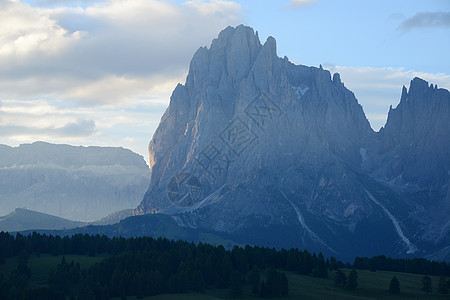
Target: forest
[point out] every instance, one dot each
(145, 266)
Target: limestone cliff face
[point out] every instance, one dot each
(253, 141)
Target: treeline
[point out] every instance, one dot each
(404, 265)
(146, 266)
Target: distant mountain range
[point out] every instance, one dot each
(76, 183)
(273, 153)
(24, 219)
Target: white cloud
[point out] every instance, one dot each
(70, 48)
(24, 29)
(115, 90)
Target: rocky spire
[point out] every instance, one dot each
(419, 123)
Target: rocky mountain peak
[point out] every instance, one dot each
(418, 86)
(416, 136)
(252, 141)
(279, 107)
(230, 55)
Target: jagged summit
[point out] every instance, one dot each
(231, 56)
(253, 144)
(417, 137)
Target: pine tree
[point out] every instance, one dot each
(254, 279)
(284, 285)
(426, 282)
(352, 280)
(333, 263)
(90, 296)
(321, 268)
(394, 286)
(263, 290)
(443, 288)
(235, 284)
(273, 283)
(340, 279)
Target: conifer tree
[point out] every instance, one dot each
(394, 286)
(443, 288)
(426, 284)
(235, 284)
(352, 280)
(340, 279)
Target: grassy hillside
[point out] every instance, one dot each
(372, 285)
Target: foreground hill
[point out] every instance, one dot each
(77, 183)
(278, 154)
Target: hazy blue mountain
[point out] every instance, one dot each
(24, 219)
(273, 153)
(77, 183)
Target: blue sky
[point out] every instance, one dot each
(92, 72)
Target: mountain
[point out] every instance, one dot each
(77, 183)
(28, 220)
(278, 154)
(412, 156)
(114, 218)
(23, 219)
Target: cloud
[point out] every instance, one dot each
(299, 3)
(57, 121)
(378, 88)
(426, 20)
(62, 51)
(80, 128)
(56, 3)
(24, 30)
(214, 8)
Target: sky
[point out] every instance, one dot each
(91, 72)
